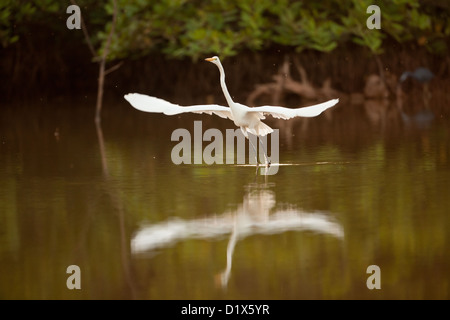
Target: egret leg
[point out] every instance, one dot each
(256, 151)
(266, 157)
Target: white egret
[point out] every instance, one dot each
(248, 119)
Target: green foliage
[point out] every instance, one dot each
(306, 28)
(14, 15)
(182, 28)
(197, 28)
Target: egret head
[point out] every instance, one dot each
(214, 60)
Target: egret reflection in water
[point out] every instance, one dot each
(258, 214)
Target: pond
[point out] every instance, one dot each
(359, 186)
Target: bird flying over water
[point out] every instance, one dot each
(247, 118)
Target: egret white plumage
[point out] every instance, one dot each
(247, 118)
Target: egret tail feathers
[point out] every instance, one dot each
(261, 129)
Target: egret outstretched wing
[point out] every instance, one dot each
(287, 113)
(248, 119)
(146, 103)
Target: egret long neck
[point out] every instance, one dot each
(224, 86)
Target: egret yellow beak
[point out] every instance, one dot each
(209, 59)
